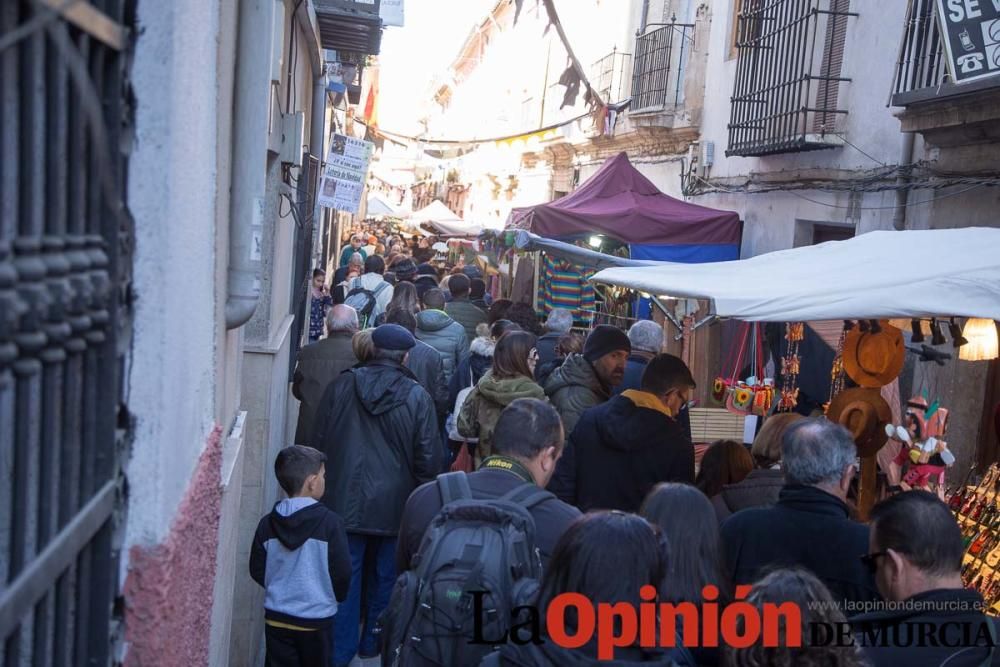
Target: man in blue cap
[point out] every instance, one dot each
(378, 429)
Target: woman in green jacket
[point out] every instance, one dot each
(510, 378)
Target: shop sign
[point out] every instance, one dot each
(971, 31)
(345, 173)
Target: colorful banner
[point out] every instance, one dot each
(345, 173)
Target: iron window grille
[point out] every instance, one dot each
(610, 75)
(658, 67)
(788, 76)
(921, 68)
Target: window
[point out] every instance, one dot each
(809, 233)
(658, 67)
(786, 93)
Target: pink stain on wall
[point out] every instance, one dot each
(168, 590)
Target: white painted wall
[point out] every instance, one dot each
(870, 57)
(172, 189)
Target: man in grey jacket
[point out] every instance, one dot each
(436, 328)
(423, 361)
(319, 364)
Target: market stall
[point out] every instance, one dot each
(438, 219)
(618, 206)
(926, 279)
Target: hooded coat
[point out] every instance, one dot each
(482, 407)
(378, 429)
(573, 388)
(426, 365)
(619, 451)
(300, 556)
(472, 368)
(437, 329)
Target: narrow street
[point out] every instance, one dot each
(461, 332)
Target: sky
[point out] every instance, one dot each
(411, 56)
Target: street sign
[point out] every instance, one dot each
(971, 32)
(345, 173)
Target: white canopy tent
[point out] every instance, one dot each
(379, 206)
(884, 274)
(441, 220)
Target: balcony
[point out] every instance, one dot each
(610, 76)
(946, 112)
(786, 96)
(658, 68)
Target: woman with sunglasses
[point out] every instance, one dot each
(511, 377)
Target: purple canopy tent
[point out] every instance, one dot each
(621, 203)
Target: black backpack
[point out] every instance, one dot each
(471, 545)
(364, 301)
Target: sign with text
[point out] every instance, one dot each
(971, 31)
(345, 173)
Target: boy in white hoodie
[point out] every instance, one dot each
(300, 557)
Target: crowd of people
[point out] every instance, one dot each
(457, 459)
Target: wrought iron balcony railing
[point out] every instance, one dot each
(788, 76)
(658, 67)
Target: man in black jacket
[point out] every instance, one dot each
(622, 448)
(810, 525)
(377, 426)
(526, 444)
(916, 553)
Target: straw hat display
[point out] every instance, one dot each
(864, 413)
(874, 359)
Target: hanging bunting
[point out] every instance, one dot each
(571, 79)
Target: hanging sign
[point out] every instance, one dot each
(971, 32)
(345, 173)
(391, 12)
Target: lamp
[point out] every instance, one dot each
(957, 339)
(595, 241)
(918, 331)
(937, 338)
(982, 336)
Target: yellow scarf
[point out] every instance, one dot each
(643, 399)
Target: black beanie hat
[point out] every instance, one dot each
(605, 339)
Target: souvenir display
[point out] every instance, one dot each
(790, 366)
(924, 453)
(865, 414)
(873, 353)
(978, 516)
(753, 395)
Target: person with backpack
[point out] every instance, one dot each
(609, 558)
(369, 294)
(510, 378)
(504, 506)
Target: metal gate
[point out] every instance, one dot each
(65, 271)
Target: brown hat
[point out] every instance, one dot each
(864, 413)
(874, 359)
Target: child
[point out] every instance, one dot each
(300, 557)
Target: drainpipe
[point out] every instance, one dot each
(253, 85)
(902, 195)
(642, 19)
